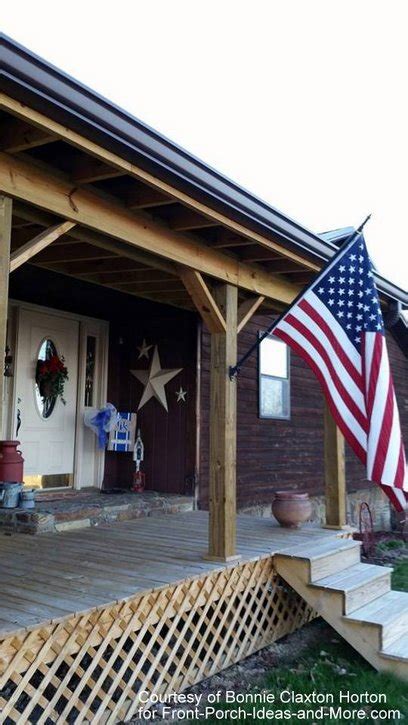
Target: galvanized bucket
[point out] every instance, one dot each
(28, 498)
(10, 495)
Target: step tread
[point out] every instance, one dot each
(353, 577)
(383, 610)
(318, 550)
(397, 649)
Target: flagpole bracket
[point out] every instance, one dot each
(233, 372)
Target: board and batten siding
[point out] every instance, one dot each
(283, 454)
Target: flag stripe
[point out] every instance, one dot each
(392, 455)
(333, 336)
(351, 379)
(345, 396)
(337, 331)
(373, 347)
(397, 497)
(384, 438)
(379, 402)
(344, 426)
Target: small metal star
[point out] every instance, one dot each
(181, 395)
(144, 349)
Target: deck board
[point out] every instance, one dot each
(55, 575)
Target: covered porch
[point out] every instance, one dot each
(75, 205)
(90, 620)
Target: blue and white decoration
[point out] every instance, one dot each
(122, 437)
(102, 421)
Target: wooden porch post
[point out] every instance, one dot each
(335, 475)
(223, 431)
(5, 235)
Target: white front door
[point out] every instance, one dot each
(46, 427)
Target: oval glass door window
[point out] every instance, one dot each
(44, 397)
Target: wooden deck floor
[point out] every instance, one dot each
(51, 577)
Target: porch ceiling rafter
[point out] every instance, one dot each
(79, 234)
(38, 243)
(117, 162)
(18, 135)
(23, 180)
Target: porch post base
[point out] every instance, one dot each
(343, 527)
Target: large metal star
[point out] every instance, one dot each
(154, 379)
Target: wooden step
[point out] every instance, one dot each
(398, 649)
(359, 584)
(390, 612)
(326, 557)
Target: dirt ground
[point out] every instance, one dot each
(386, 549)
(250, 673)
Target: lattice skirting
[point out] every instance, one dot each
(91, 668)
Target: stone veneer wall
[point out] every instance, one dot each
(377, 501)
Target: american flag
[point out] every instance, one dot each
(337, 327)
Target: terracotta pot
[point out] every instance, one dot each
(11, 462)
(291, 509)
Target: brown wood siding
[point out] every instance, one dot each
(169, 438)
(283, 454)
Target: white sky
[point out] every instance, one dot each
(303, 102)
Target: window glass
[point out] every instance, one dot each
(45, 398)
(274, 379)
(274, 358)
(90, 370)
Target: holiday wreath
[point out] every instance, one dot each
(50, 377)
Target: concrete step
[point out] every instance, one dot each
(359, 584)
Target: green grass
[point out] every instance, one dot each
(399, 576)
(390, 544)
(329, 668)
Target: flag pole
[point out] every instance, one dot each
(234, 370)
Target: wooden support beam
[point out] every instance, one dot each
(186, 219)
(203, 299)
(247, 309)
(5, 237)
(28, 114)
(223, 431)
(76, 253)
(88, 169)
(97, 240)
(161, 286)
(144, 197)
(335, 474)
(17, 135)
(238, 242)
(256, 253)
(285, 266)
(19, 178)
(128, 276)
(36, 245)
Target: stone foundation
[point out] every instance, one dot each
(84, 509)
(377, 501)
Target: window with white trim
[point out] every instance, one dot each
(274, 378)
